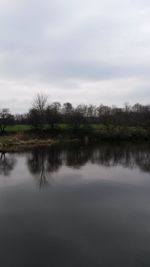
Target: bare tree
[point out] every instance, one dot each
(40, 102)
(39, 108)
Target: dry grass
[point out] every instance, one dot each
(15, 142)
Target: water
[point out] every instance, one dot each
(76, 206)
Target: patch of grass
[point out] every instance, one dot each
(18, 128)
(64, 126)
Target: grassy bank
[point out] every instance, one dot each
(21, 136)
(96, 128)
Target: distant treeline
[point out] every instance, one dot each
(43, 114)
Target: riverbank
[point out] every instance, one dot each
(14, 141)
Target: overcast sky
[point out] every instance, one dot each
(82, 51)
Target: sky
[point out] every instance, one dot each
(78, 51)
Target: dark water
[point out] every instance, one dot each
(76, 206)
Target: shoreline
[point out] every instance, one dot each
(14, 143)
(24, 141)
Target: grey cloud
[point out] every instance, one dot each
(56, 41)
(18, 66)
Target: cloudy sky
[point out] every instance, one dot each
(82, 51)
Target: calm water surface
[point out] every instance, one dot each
(76, 206)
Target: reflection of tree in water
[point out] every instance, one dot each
(112, 155)
(143, 159)
(7, 163)
(77, 156)
(42, 162)
(127, 155)
(54, 159)
(105, 154)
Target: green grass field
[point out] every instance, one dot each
(100, 130)
(18, 128)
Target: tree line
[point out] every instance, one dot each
(42, 113)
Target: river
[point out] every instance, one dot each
(76, 205)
